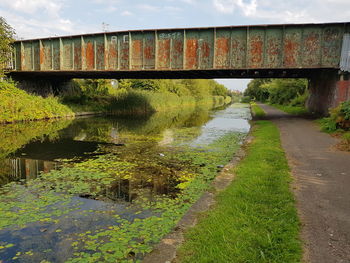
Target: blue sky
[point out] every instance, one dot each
(43, 18)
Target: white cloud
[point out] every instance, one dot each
(297, 11)
(33, 6)
(147, 7)
(224, 6)
(40, 18)
(126, 13)
(107, 9)
(172, 8)
(189, 1)
(154, 8)
(108, 2)
(229, 6)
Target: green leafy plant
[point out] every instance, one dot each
(17, 105)
(6, 39)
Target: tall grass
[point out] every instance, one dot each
(144, 102)
(17, 105)
(257, 111)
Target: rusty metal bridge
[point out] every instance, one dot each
(289, 50)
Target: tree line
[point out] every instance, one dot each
(197, 88)
(291, 92)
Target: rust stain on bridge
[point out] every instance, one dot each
(212, 50)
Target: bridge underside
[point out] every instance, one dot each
(173, 74)
(327, 87)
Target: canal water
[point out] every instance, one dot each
(107, 189)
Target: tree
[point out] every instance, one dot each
(6, 39)
(256, 90)
(283, 91)
(220, 90)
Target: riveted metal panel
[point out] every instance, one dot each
(170, 49)
(28, 56)
(311, 47)
(164, 50)
(89, 53)
(99, 52)
(56, 53)
(205, 49)
(345, 53)
(292, 47)
(222, 48)
(124, 51)
(191, 51)
(176, 54)
(273, 48)
(112, 53)
(149, 50)
(77, 53)
(238, 48)
(137, 50)
(36, 56)
(17, 47)
(331, 45)
(256, 47)
(67, 54)
(45, 55)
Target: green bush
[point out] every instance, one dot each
(346, 137)
(284, 91)
(257, 91)
(292, 92)
(328, 125)
(17, 105)
(300, 100)
(246, 99)
(339, 118)
(228, 99)
(345, 110)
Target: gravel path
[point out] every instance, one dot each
(321, 185)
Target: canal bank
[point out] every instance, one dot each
(145, 97)
(321, 180)
(254, 219)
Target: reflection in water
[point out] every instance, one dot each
(82, 137)
(94, 175)
(26, 169)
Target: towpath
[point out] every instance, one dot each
(321, 185)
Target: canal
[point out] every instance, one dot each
(107, 189)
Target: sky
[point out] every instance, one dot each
(44, 18)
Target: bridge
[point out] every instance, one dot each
(319, 52)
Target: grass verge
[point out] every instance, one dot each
(17, 105)
(294, 110)
(255, 218)
(257, 111)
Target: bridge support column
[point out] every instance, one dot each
(43, 87)
(327, 90)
